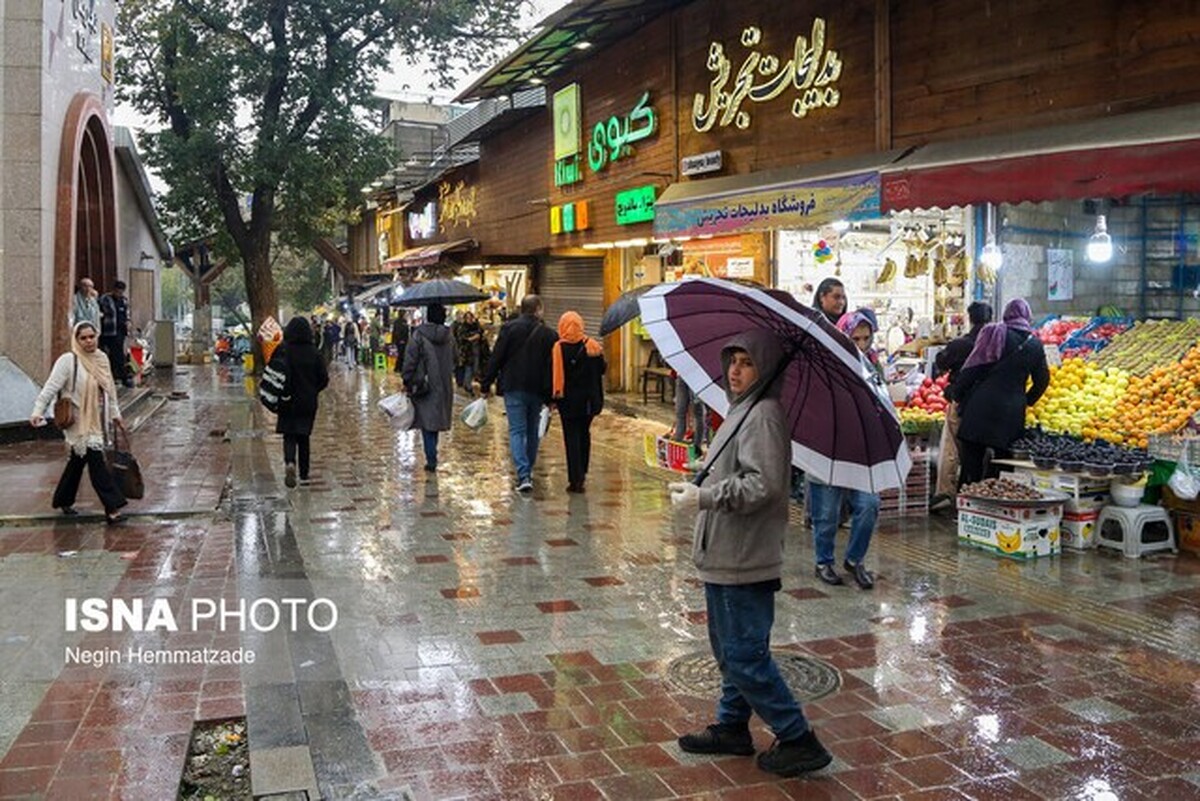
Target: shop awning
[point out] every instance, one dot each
(806, 196)
(372, 293)
(430, 254)
(1153, 151)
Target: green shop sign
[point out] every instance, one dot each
(611, 138)
(636, 205)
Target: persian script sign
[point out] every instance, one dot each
(812, 71)
(611, 139)
(456, 205)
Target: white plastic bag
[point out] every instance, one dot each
(474, 414)
(544, 422)
(1184, 481)
(399, 409)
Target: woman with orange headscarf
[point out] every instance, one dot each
(578, 366)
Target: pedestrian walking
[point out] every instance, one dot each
(990, 390)
(86, 308)
(399, 338)
(738, 551)
(472, 351)
(830, 299)
(114, 328)
(520, 364)
(950, 361)
(329, 341)
(85, 377)
(825, 501)
(577, 378)
(350, 342)
(306, 377)
(428, 376)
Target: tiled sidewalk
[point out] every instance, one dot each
(492, 646)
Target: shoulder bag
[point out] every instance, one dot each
(64, 408)
(124, 465)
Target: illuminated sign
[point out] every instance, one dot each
(569, 217)
(700, 163)
(635, 205)
(611, 138)
(812, 71)
(422, 224)
(567, 171)
(457, 204)
(567, 125)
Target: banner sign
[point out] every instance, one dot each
(635, 205)
(804, 204)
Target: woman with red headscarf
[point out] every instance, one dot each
(578, 366)
(990, 389)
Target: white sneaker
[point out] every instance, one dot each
(525, 486)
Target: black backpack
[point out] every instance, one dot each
(273, 390)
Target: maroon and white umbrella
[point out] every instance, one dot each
(844, 428)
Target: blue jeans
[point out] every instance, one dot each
(825, 503)
(739, 630)
(430, 440)
(523, 410)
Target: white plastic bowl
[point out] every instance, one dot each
(1127, 494)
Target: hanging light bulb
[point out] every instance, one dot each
(1100, 246)
(990, 255)
(840, 225)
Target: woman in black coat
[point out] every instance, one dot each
(990, 388)
(306, 377)
(578, 366)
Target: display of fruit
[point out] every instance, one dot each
(941, 276)
(1150, 344)
(1160, 401)
(1055, 332)
(961, 269)
(930, 396)
(888, 273)
(912, 266)
(1079, 393)
(1001, 489)
(1070, 453)
(1105, 332)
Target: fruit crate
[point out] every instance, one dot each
(911, 499)
(1085, 338)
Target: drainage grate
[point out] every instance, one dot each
(809, 679)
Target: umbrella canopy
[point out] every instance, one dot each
(622, 310)
(844, 429)
(439, 292)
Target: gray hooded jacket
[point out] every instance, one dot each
(744, 501)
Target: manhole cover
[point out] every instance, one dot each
(809, 679)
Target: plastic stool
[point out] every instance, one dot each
(380, 361)
(1135, 530)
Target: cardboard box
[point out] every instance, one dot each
(1009, 512)
(1079, 530)
(1077, 485)
(1009, 538)
(1187, 531)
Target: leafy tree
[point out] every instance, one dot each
(267, 105)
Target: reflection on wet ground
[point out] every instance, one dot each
(495, 646)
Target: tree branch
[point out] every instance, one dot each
(208, 21)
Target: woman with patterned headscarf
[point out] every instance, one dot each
(85, 377)
(577, 386)
(990, 388)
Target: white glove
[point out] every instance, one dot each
(685, 495)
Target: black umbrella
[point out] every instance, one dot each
(622, 310)
(439, 292)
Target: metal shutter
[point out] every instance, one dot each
(573, 285)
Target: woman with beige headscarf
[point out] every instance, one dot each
(85, 377)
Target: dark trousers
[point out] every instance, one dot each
(114, 349)
(577, 436)
(293, 443)
(429, 441)
(102, 481)
(971, 456)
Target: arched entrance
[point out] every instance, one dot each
(85, 231)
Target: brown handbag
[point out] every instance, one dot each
(64, 409)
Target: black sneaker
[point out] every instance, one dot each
(289, 476)
(864, 578)
(802, 755)
(827, 574)
(720, 738)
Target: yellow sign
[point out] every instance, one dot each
(106, 52)
(567, 122)
(456, 204)
(812, 71)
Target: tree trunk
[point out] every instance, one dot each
(260, 290)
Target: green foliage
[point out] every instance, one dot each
(302, 277)
(266, 106)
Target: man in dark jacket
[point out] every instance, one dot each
(951, 360)
(114, 327)
(306, 377)
(521, 361)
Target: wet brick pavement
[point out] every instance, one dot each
(494, 646)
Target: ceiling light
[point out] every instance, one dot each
(582, 45)
(536, 81)
(991, 256)
(840, 225)
(1100, 246)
